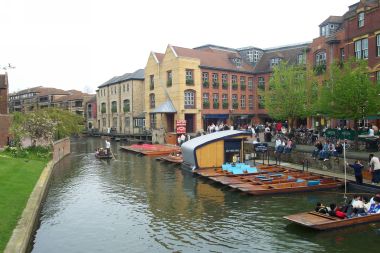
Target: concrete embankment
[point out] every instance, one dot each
(23, 233)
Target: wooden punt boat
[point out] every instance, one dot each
(151, 149)
(104, 156)
(320, 221)
(177, 159)
(215, 172)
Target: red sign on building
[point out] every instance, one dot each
(181, 126)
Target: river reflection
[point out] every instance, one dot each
(137, 204)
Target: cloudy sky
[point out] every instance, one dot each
(79, 44)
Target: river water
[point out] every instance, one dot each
(137, 204)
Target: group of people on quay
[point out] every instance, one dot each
(358, 206)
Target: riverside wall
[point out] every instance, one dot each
(22, 235)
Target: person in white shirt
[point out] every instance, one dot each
(375, 168)
(371, 132)
(108, 146)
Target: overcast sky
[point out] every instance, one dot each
(79, 44)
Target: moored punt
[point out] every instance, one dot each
(214, 172)
(320, 221)
(151, 149)
(172, 158)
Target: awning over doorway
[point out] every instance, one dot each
(166, 107)
(215, 116)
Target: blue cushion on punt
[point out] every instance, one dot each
(224, 166)
(266, 179)
(299, 180)
(251, 170)
(312, 182)
(290, 177)
(277, 175)
(237, 171)
(260, 176)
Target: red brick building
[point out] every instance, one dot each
(4, 117)
(355, 34)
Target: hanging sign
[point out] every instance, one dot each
(181, 126)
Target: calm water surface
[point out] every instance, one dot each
(136, 204)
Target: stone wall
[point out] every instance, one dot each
(61, 148)
(5, 122)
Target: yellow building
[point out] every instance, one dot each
(173, 91)
(120, 103)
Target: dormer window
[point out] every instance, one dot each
(274, 61)
(361, 19)
(237, 61)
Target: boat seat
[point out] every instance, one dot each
(313, 182)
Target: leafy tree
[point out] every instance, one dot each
(349, 93)
(45, 125)
(292, 93)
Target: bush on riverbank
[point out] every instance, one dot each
(38, 153)
(18, 176)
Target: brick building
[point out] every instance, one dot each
(4, 116)
(355, 34)
(120, 103)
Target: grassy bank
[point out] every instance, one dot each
(18, 177)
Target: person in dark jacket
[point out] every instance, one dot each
(358, 167)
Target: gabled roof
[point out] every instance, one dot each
(137, 75)
(166, 107)
(214, 58)
(287, 53)
(158, 56)
(363, 3)
(332, 20)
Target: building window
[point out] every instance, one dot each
(378, 45)
(89, 111)
(261, 102)
(341, 54)
(215, 80)
(151, 83)
(205, 80)
(301, 59)
(215, 100)
(127, 122)
(126, 106)
(224, 81)
(234, 82)
(274, 61)
(250, 102)
(235, 104)
(152, 101)
(114, 106)
(361, 49)
(261, 83)
(189, 76)
(361, 19)
(139, 123)
(250, 83)
(189, 99)
(152, 121)
(103, 109)
(225, 101)
(250, 55)
(206, 100)
(320, 58)
(169, 78)
(242, 101)
(242, 83)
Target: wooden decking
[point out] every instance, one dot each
(320, 221)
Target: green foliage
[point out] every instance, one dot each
(225, 85)
(234, 86)
(292, 92)
(190, 81)
(349, 93)
(206, 104)
(38, 153)
(216, 105)
(206, 84)
(242, 86)
(225, 105)
(45, 125)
